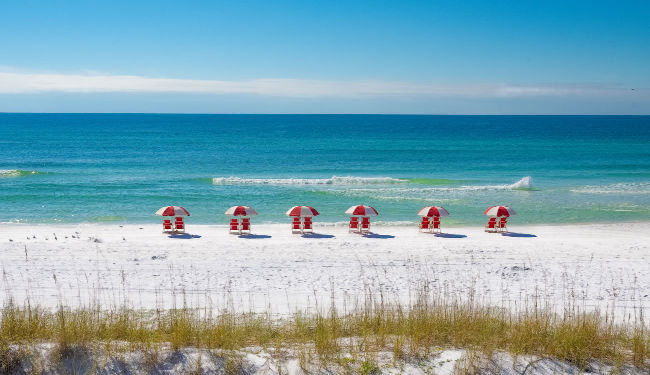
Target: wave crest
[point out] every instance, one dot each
(525, 183)
(334, 180)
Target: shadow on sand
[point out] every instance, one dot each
(450, 235)
(380, 236)
(184, 236)
(513, 234)
(317, 235)
(254, 236)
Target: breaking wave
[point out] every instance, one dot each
(334, 180)
(619, 188)
(17, 173)
(525, 183)
(438, 194)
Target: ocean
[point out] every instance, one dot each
(120, 168)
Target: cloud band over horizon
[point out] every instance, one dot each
(12, 82)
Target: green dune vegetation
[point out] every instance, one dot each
(344, 341)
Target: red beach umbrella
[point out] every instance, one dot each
(241, 211)
(361, 210)
(172, 211)
(433, 211)
(302, 211)
(499, 211)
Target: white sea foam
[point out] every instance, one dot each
(381, 223)
(15, 172)
(334, 180)
(524, 183)
(619, 188)
(404, 192)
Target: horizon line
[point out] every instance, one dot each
(312, 114)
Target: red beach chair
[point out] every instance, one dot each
(246, 225)
(234, 226)
(503, 224)
(365, 224)
(179, 225)
(424, 225)
(491, 226)
(307, 226)
(354, 224)
(435, 225)
(167, 226)
(295, 226)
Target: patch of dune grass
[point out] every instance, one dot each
(412, 331)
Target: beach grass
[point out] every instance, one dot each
(343, 338)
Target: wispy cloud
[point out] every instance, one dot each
(16, 82)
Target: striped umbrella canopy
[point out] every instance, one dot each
(302, 211)
(499, 211)
(361, 210)
(172, 211)
(433, 211)
(241, 211)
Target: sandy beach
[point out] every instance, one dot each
(585, 266)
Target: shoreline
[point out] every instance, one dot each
(330, 224)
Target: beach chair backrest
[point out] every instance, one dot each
(234, 224)
(245, 223)
(365, 222)
(436, 219)
(503, 220)
(179, 225)
(246, 220)
(354, 222)
(179, 219)
(167, 221)
(436, 224)
(307, 224)
(492, 222)
(307, 218)
(425, 222)
(296, 223)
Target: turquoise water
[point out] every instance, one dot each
(123, 167)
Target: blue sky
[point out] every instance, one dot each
(471, 57)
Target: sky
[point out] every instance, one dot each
(411, 57)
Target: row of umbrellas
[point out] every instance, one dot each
(360, 210)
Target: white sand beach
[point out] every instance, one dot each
(588, 266)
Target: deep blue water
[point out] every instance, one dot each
(122, 167)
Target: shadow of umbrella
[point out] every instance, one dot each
(513, 234)
(450, 235)
(184, 236)
(254, 236)
(380, 236)
(317, 235)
